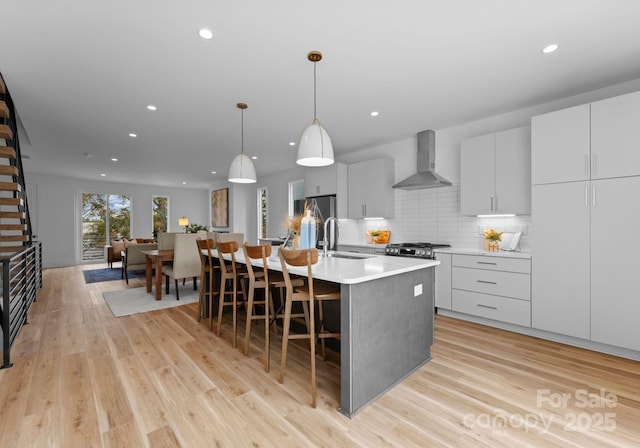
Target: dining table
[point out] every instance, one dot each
(155, 259)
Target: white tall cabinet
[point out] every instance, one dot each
(615, 267)
(495, 173)
(585, 212)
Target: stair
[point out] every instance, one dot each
(10, 186)
(4, 110)
(14, 221)
(8, 170)
(5, 132)
(7, 152)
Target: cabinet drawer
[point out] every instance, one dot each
(493, 263)
(507, 284)
(513, 311)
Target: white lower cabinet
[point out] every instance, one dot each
(443, 281)
(492, 287)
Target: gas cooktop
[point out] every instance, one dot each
(419, 250)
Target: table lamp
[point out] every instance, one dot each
(183, 222)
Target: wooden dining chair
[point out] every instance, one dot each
(230, 274)
(310, 293)
(207, 274)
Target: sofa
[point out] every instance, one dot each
(134, 259)
(115, 247)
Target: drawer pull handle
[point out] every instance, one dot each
(488, 283)
(487, 262)
(487, 306)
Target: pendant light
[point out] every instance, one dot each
(242, 170)
(315, 148)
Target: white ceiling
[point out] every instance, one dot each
(82, 72)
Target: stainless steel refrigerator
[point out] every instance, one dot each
(326, 207)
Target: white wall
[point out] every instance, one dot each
(59, 219)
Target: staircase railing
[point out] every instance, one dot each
(21, 280)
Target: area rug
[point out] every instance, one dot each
(108, 274)
(137, 300)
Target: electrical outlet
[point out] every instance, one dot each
(417, 290)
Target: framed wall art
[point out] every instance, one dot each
(220, 208)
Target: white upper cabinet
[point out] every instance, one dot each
(325, 180)
(478, 175)
(495, 173)
(615, 137)
(593, 141)
(560, 146)
(370, 189)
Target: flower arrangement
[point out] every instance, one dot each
(493, 238)
(492, 235)
(194, 228)
(294, 223)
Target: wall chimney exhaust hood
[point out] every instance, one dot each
(426, 177)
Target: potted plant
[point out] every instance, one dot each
(492, 238)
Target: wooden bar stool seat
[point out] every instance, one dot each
(262, 278)
(308, 294)
(230, 275)
(207, 274)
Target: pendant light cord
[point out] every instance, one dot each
(241, 131)
(314, 90)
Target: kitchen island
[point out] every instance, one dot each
(386, 319)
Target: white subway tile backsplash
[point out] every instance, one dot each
(433, 215)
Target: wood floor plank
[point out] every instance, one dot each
(112, 402)
(80, 416)
(84, 378)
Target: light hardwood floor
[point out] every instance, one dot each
(83, 378)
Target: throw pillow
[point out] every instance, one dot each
(128, 243)
(118, 246)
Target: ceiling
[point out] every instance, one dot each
(82, 73)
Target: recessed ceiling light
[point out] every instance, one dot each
(375, 113)
(114, 159)
(132, 135)
(102, 174)
(550, 48)
(292, 143)
(184, 183)
(205, 33)
(152, 107)
(213, 172)
(254, 157)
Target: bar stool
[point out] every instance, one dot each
(265, 280)
(230, 273)
(207, 273)
(310, 293)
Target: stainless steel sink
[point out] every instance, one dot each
(349, 256)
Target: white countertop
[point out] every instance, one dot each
(485, 253)
(349, 271)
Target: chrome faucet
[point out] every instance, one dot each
(325, 240)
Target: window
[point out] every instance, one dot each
(160, 206)
(296, 197)
(263, 212)
(104, 217)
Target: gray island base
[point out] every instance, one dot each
(387, 333)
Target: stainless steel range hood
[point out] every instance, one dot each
(426, 177)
